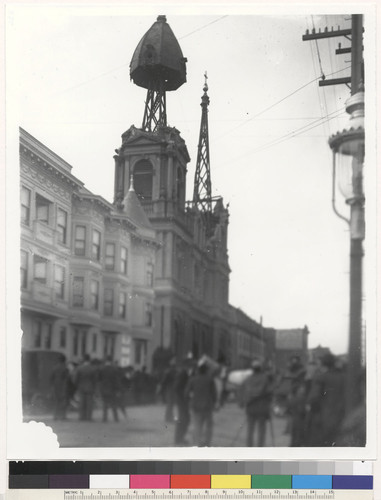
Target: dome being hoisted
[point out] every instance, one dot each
(158, 59)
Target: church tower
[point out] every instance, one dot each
(213, 219)
(191, 271)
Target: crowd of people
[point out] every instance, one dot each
(310, 397)
(314, 400)
(101, 383)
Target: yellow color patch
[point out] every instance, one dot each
(230, 481)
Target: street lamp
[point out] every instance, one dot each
(348, 148)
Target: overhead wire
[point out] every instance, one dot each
(202, 27)
(301, 130)
(324, 108)
(126, 64)
(91, 79)
(294, 133)
(330, 60)
(291, 134)
(265, 110)
(317, 50)
(275, 104)
(317, 78)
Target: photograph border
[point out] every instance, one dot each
(35, 440)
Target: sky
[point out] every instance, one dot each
(68, 85)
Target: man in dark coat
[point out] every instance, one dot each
(326, 403)
(124, 386)
(256, 395)
(296, 401)
(182, 402)
(110, 388)
(167, 390)
(86, 384)
(59, 381)
(203, 396)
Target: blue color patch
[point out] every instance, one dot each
(352, 482)
(309, 482)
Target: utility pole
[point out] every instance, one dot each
(357, 66)
(355, 150)
(354, 35)
(356, 242)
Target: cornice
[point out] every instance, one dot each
(94, 199)
(47, 180)
(48, 161)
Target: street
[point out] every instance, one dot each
(145, 426)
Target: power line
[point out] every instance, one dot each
(294, 133)
(318, 51)
(92, 79)
(202, 27)
(334, 115)
(315, 72)
(275, 104)
(340, 19)
(323, 107)
(126, 64)
(301, 130)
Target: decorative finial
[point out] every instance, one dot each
(162, 19)
(205, 97)
(205, 89)
(131, 183)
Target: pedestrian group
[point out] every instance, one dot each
(311, 397)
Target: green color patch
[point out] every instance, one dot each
(271, 482)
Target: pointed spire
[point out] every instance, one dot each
(133, 208)
(202, 193)
(205, 97)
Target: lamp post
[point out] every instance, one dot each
(348, 148)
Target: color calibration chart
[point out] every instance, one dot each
(162, 480)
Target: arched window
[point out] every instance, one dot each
(143, 173)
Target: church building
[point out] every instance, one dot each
(192, 269)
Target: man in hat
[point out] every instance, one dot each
(203, 395)
(297, 401)
(181, 400)
(326, 404)
(110, 387)
(256, 397)
(86, 383)
(167, 390)
(60, 382)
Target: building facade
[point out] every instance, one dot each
(316, 354)
(192, 271)
(249, 339)
(86, 267)
(98, 279)
(289, 343)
